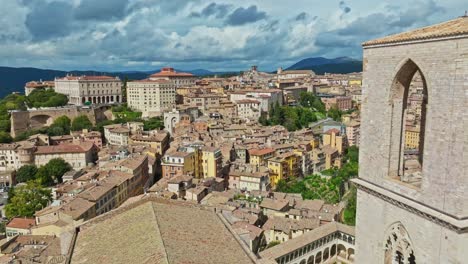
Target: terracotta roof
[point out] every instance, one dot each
(333, 130)
(21, 223)
(89, 78)
(451, 28)
(65, 148)
(260, 152)
(276, 205)
(150, 81)
(154, 230)
(170, 72)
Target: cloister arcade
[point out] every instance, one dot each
(334, 248)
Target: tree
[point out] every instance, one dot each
(61, 126)
(27, 200)
(153, 123)
(81, 122)
(26, 173)
(52, 172)
(5, 137)
(46, 98)
(335, 113)
(57, 168)
(349, 215)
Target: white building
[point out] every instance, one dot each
(9, 158)
(248, 109)
(93, 89)
(119, 134)
(266, 97)
(151, 96)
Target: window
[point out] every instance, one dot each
(409, 99)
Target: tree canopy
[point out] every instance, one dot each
(81, 122)
(46, 98)
(61, 126)
(26, 173)
(5, 137)
(27, 199)
(52, 172)
(153, 123)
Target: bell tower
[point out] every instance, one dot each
(413, 179)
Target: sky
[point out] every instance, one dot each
(218, 35)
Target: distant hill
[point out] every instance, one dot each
(322, 65)
(14, 79)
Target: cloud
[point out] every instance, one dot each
(346, 9)
(48, 20)
(101, 10)
(242, 16)
(213, 9)
(301, 16)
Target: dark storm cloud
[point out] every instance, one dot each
(101, 10)
(346, 9)
(301, 16)
(242, 16)
(213, 9)
(47, 20)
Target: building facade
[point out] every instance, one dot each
(83, 90)
(151, 96)
(414, 216)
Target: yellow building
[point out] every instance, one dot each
(411, 138)
(158, 140)
(283, 167)
(259, 156)
(333, 139)
(211, 162)
(355, 82)
(332, 157)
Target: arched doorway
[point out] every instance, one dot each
(342, 251)
(326, 254)
(333, 250)
(409, 99)
(311, 260)
(318, 258)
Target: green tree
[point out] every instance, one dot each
(335, 114)
(61, 126)
(27, 200)
(352, 154)
(26, 173)
(57, 168)
(5, 124)
(46, 98)
(5, 137)
(349, 215)
(153, 123)
(52, 172)
(81, 122)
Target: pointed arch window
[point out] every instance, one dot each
(409, 101)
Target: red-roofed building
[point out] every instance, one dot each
(33, 85)
(83, 90)
(19, 226)
(259, 156)
(78, 156)
(178, 78)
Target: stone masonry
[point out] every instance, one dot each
(431, 220)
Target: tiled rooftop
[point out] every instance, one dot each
(451, 28)
(158, 231)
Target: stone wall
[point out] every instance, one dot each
(444, 65)
(432, 243)
(22, 121)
